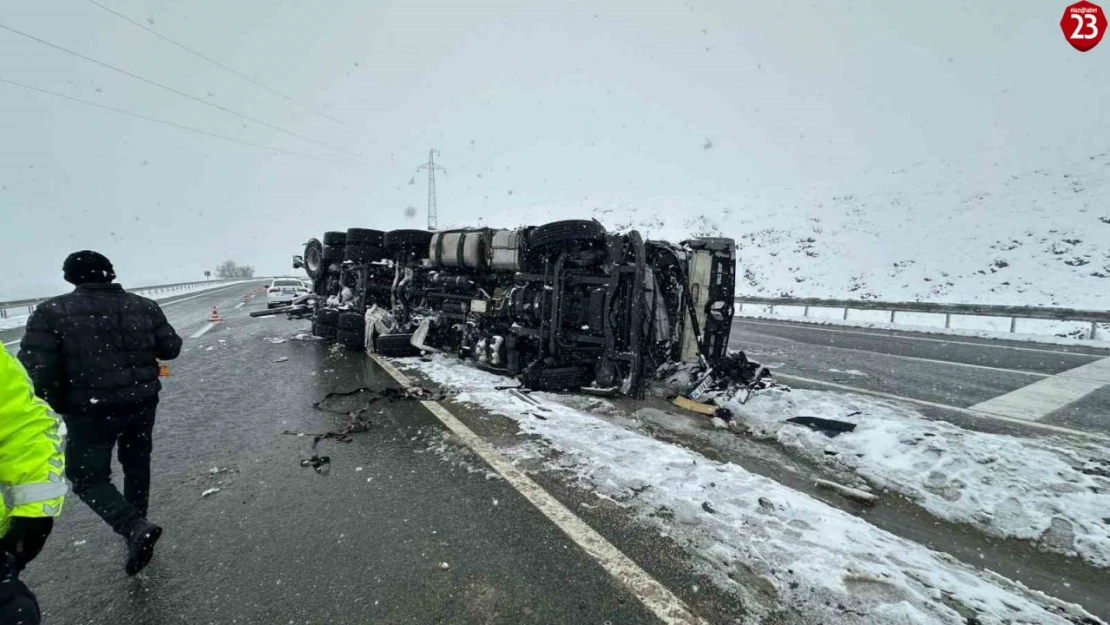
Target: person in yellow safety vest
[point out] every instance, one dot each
(32, 482)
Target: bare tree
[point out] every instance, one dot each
(230, 269)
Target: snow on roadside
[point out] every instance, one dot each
(809, 562)
(1050, 491)
(1101, 342)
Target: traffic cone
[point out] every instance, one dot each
(215, 316)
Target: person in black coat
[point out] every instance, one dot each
(93, 356)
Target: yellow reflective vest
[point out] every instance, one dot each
(32, 443)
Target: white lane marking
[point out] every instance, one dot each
(1059, 429)
(1042, 398)
(11, 342)
(239, 305)
(200, 332)
(812, 326)
(654, 595)
(201, 294)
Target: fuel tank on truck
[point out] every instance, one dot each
(480, 248)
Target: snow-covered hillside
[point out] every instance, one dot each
(994, 232)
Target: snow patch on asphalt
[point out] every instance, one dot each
(448, 449)
(1055, 492)
(787, 553)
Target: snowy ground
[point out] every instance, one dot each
(786, 554)
(1052, 491)
(18, 321)
(1003, 234)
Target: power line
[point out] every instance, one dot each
(172, 90)
(219, 64)
(167, 123)
(431, 166)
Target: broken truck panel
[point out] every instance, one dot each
(561, 306)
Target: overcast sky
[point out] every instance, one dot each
(529, 103)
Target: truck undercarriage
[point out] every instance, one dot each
(566, 305)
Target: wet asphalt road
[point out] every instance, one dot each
(280, 543)
(365, 543)
(954, 371)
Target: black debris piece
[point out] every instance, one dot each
(321, 464)
(829, 427)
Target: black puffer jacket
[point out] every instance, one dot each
(97, 347)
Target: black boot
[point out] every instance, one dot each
(140, 546)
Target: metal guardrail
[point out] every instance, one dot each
(29, 304)
(1093, 317)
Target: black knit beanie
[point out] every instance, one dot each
(88, 266)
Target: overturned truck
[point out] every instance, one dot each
(566, 305)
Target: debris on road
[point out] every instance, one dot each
(444, 566)
(282, 359)
(274, 340)
(847, 492)
(321, 464)
(829, 427)
(210, 491)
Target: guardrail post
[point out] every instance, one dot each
(892, 316)
(805, 313)
(772, 310)
(741, 307)
(845, 313)
(1094, 330)
(1013, 325)
(947, 320)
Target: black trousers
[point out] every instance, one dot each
(91, 437)
(18, 605)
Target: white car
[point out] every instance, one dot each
(282, 291)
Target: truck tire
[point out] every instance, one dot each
(337, 239)
(354, 340)
(408, 242)
(559, 379)
(571, 230)
(361, 254)
(395, 346)
(365, 236)
(351, 321)
(328, 317)
(323, 330)
(313, 258)
(332, 253)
